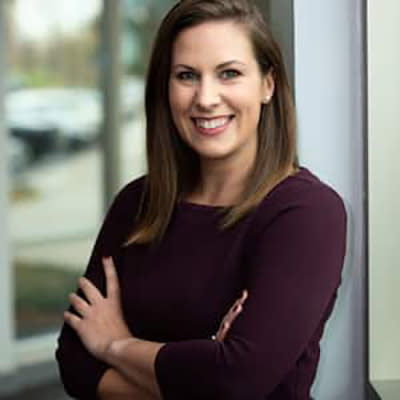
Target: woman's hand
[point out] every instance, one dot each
(100, 320)
(229, 317)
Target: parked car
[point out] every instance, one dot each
(54, 119)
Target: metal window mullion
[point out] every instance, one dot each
(110, 85)
(7, 360)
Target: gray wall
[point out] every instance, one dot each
(281, 18)
(330, 95)
(324, 46)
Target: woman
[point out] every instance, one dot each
(225, 212)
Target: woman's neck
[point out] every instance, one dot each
(222, 186)
(220, 183)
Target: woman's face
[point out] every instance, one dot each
(216, 91)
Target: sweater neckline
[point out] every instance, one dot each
(187, 205)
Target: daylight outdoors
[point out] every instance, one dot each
(54, 118)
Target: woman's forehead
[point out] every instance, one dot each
(213, 42)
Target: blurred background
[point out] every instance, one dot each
(54, 117)
(72, 133)
(57, 63)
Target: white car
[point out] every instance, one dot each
(63, 118)
(50, 119)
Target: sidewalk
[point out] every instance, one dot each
(57, 222)
(48, 392)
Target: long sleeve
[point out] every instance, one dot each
(293, 269)
(80, 372)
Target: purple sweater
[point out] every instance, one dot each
(288, 253)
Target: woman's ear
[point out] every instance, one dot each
(268, 86)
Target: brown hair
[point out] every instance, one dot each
(173, 167)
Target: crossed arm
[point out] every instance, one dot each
(104, 333)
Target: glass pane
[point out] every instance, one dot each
(140, 20)
(53, 115)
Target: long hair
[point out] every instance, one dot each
(173, 167)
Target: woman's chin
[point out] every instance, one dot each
(213, 155)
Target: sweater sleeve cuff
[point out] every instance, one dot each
(184, 368)
(95, 380)
(82, 380)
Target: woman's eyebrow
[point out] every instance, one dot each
(229, 63)
(220, 66)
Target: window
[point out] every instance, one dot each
(53, 116)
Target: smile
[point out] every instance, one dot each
(212, 126)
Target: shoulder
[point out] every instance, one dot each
(305, 195)
(121, 215)
(127, 201)
(304, 188)
(131, 192)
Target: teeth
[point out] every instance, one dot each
(211, 124)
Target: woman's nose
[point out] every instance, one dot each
(208, 94)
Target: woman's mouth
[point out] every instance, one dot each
(212, 126)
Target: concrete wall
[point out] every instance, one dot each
(330, 93)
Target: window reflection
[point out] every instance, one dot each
(140, 19)
(53, 115)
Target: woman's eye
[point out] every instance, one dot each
(230, 73)
(186, 76)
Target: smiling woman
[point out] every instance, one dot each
(177, 77)
(215, 102)
(227, 256)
